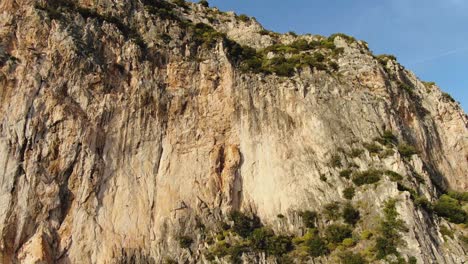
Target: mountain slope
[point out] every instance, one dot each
(136, 131)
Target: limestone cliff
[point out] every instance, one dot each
(133, 131)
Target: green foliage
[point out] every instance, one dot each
(348, 242)
(448, 97)
(185, 241)
(349, 193)
(450, 209)
(348, 39)
(352, 258)
(395, 177)
(464, 239)
(206, 35)
(264, 239)
(346, 173)
(204, 3)
(180, 3)
(389, 231)
(460, 196)
(244, 225)
(243, 18)
(422, 202)
(332, 211)
(387, 138)
(336, 233)
(316, 246)
(406, 151)
(412, 260)
(57, 10)
(403, 188)
(366, 234)
(308, 218)
(350, 215)
(384, 58)
(356, 152)
(406, 87)
(323, 178)
(162, 9)
(367, 177)
(429, 84)
(335, 161)
(292, 33)
(372, 148)
(446, 232)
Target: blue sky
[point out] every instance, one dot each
(429, 37)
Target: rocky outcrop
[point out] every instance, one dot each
(124, 129)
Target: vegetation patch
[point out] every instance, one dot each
(372, 148)
(367, 177)
(350, 214)
(390, 226)
(447, 97)
(406, 151)
(450, 209)
(349, 193)
(308, 218)
(336, 233)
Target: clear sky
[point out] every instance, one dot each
(429, 37)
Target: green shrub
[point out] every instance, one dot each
(335, 161)
(292, 33)
(348, 242)
(332, 211)
(204, 3)
(264, 239)
(429, 84)
(336, 233)
(460, 196)
(423, 203)
(300, 45)
(366, 234)
(464, 239)
(395, 177)
(316, 246)
(243, 18)
(367, 177)
(350, 215)
(412, 260)
(244, 225)
(406, 151)
(180, 3)
(308, 218)
(352, 258)
(446, 232)
(372, 148)
(348, 39)
(389, 231)
(334, 66)
(384, 58)
(346, 173)
(185, 241)
(356, 152)
(448, 97)
(406, 87)
(206, 35)
(387, 138)
(349, 193)
(450, 209)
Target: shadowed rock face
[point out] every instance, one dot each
(119, 133)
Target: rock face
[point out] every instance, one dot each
(120, 133)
